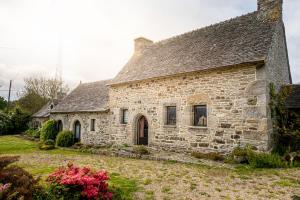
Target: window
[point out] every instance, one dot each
(171, 115)
(200, 115)
(93, 124)
(125, 116)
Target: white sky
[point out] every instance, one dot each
(97, 35)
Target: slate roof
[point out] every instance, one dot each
(87, 97)
(43, 112)
(243, 39)
(293, 100)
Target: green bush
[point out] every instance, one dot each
(209, 156)
(19, 121)
(140, 149)
(257, 159)
(5, 123)
(37, 133)
(33, 133)
(18, 183)
(239, 155)
(265, 160)
(65, 139)
(48, 130)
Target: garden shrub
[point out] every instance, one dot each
(19, 121)
(15, 182)
(258, 159)
(65, 139)
(35, 133)
(239, 155)
(6, 160)
(265, 160)
(210, 156)
(141, 150)
(5, 123)
(48, 130)
(72, 182)
(286, 123)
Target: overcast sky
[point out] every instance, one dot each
(96, 36)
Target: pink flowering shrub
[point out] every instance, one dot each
(73, 182)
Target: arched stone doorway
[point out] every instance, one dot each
(59, 126)
(77, 131)
(142, 131)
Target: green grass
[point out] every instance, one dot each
(288, 183)
(13, 144)
(144, 179)
(123, 188)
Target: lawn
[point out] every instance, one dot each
(143, 179)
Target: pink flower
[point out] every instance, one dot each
(93, 183)
(4, 187)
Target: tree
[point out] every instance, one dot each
(38, 90)
(32, 102)
(19, 121)
(47, 88)
(3, 103)
(5, 123)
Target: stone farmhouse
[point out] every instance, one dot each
(204, 90)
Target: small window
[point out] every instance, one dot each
(125, 116)
(93, 124)
(171, 115)
(200, 115)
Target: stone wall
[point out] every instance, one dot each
(236, 102)
(277, 63)
(277, 69)
(37, 122)
(102, 126)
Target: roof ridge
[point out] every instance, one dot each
(198, 29)
(105, 80)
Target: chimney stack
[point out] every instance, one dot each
(270, 10)
(140, 43)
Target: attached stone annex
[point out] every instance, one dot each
(205, 90)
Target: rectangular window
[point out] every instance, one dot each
(93, 124)
(200, 115)
(125, 116)
(171, 115)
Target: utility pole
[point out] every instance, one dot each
(9, 92)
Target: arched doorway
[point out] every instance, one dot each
(142, 131)
(59, 126)
(77, 131)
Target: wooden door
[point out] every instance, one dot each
(142, 136)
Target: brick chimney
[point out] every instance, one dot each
(270, 10)
(140, 43)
